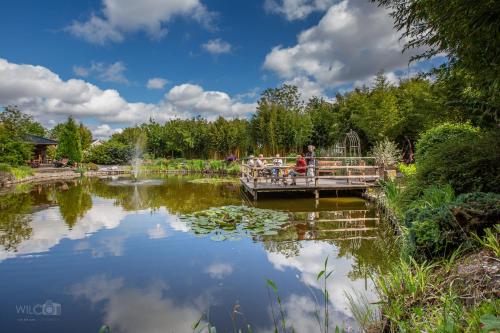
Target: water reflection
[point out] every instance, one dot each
(131, 239)
(15, 224)
(128, 309)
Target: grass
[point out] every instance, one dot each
(202, 166)
(22, 172)
(490, 240)
(19, 172)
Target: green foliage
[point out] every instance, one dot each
(408, 170)
(85, 136)
(14, 126)
(110, 152)
(281, 123)
(22, 172)
(490, 240)
(386, 153)
(437, 225)
(431, 232)
(447, 132)
(4, 167)
(69, 145)
(433, 197)
(89, 166)
(468, 162)
(19, 124)
(467, 32)
(414, 300)
(51, 152)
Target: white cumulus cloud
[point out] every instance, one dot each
(42, 93)
(217, 46)
(194, 100)
(296, 9)
(120, 17)
(156, 83)
(104, 72)
(104, 131)
(352, 41)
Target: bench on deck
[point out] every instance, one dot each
(326, 167)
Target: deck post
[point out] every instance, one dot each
(316, 194)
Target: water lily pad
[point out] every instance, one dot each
(234, 222)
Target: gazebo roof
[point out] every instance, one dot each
(39, 140)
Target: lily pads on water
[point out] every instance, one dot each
(234, 222)
(215, 181)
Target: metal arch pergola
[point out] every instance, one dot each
(348, 146)
(352, 144)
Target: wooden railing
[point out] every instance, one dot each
(347, 170)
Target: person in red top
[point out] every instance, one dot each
(300, 168)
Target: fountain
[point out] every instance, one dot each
(136, 163)
(137, 159)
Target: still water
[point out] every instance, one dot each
(77, 255)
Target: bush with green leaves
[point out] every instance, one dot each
(386, 153)
(436, 230)
(447, 132)
(111, 152)
(469, 163)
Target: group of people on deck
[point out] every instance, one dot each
(304, 166)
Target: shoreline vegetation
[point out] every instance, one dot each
(17, 175)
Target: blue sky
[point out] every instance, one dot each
(115, 63)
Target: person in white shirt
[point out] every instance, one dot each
(260, 161)
(276, 171)
(251, 161)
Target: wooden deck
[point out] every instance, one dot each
(332, 177)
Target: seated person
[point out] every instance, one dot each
(260, 163)
(251, 161)
(279, 163)
(300, 168)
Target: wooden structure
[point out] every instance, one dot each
(328, 174)
(41, 144)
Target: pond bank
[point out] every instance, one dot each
(456, 292)
(54, 174)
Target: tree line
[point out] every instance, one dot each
(282, 123)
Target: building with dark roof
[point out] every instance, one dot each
(41, 144)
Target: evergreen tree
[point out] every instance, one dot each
(69, 142)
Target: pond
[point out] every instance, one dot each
(162, 253)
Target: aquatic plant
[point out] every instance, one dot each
(213, 180)
(233, 222)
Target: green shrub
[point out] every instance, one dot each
(22, 172)
(431, 232)
(233, 169)
(4, 167)
(476, 211)
(216, 165)
(468, 163)
(438, 229)
(386, 153)
(407, 170)
(434, 196)
(111, 152)
(442, 133)
(89, 166)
